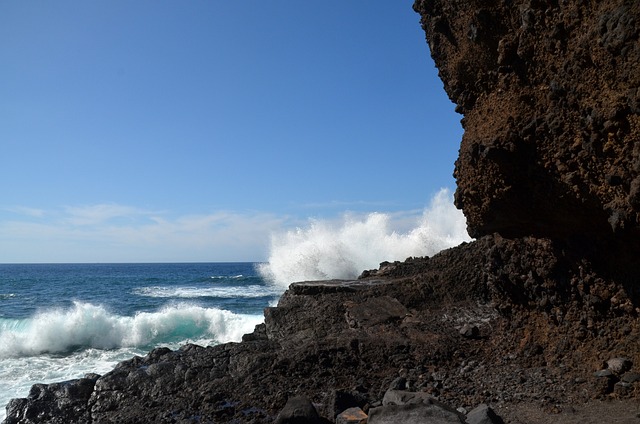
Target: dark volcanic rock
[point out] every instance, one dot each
(550, 93)
(57, 403)
(483, 414)
(415, 413)
(547, 319)
(298, 410)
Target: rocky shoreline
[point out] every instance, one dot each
(537, 319)
(457, 327)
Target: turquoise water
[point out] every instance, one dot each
(60, 321)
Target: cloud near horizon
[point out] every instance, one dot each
(101, 213)
(109, 232)
(120, 233)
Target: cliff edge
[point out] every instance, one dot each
(550, 93)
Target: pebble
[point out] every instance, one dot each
(619, 365)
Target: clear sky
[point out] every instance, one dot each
(191, 131)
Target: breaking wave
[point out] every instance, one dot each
(326, 251)
(89, 326)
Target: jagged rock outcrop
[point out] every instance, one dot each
(550, 92)
(547, 318)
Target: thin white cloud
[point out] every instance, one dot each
(98, 214)
(25, 210)
(121, 233)
(118, 233)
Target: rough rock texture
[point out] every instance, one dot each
(550, 92)
(548, 322)
(541, 319)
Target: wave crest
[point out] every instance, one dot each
(323, 251)
(90, 326)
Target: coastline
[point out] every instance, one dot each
(343, 344)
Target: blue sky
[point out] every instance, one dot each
(192, 131)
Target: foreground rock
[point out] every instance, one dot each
(547, 320)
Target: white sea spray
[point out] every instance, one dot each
(85, 326)
(324, 250)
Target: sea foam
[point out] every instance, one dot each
(324, 250)
(18, 374)
(227, 292)
(86, 326)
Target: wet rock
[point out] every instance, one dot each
(63, 402)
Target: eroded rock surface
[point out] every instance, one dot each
(550, 92)
(548, 319)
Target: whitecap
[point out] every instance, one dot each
(87, 326)
(326, 251)
(230, 292)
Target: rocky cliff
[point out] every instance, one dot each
(538, 316)
(550, 92)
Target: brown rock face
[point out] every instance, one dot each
(550, 92)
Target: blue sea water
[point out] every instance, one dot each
(61, 321)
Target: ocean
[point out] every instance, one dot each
(61, 321)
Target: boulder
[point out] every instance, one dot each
(352, 416)
(415, 413)
(298, 410)
(403, 397)
(483, 414)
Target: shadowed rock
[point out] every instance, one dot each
(550, 93)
